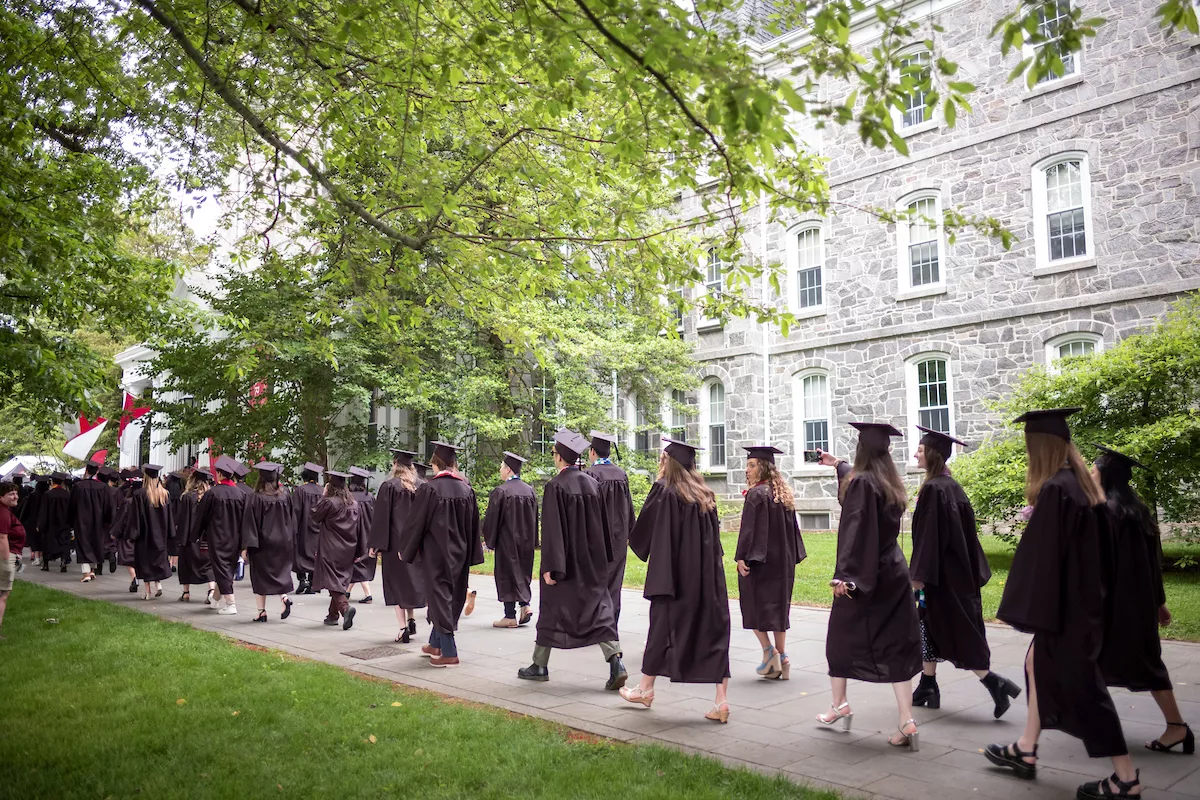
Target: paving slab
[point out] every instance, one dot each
(772, 729)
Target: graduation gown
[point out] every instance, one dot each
(510, 530)
(338, 546)
(618, 507)
(577, 550)
(150, 528)
(1055, 590)
(29, 516)
(688, 640)
(219, 523)
(441, 534)
(873, 633)
(194, 565)
(268, 537)
(91, 517)
(364, 569)
(949, 560)
(304, 499)
(769, 542)
(1132, 652)
(54, 523)
(120, 534)
(403, 582)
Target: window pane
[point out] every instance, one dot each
(917, 67)
(1079, 347)
(716, 404)
(716, 425)
(809, 267)
(814, 522)
(923, 244)
(923, 262)
(814, 390)
(715, 272)
(933, 395)
(1067, 234)
(1064, 186)
(678, 421)
(1049, 26)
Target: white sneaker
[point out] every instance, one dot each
(228, 611)
(219, 603)
(36, 562)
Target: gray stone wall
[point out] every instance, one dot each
(1134, 109)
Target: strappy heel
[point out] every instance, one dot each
(208, 599)
(785, 667)
(1188, 741)
(769, 667)
(910, 740)
(636, 695)
(262, 615)
(287, 609)
(719, 713)
(1103, 789)
(186, 597)
(1011, 756)
(841, 712)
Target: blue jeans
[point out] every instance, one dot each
(444, 642)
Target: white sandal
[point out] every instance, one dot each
(845, 716)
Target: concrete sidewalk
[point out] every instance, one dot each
(771, 727)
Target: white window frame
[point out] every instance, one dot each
(934, 121)
(706, 322)
(793, 276)
(904, 268)
(913, 394)
(799, 416)
(1052, 80)
(705, 422)
(1053, 346)
(1041, 210)
(669, 413)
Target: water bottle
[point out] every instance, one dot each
(241, 569)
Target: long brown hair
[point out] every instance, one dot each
(1047, 455)
(340, 492)
(769, 474)
(270, 488)
(441, 466)
(935, 462)
(406, 474)
(688, 483)
(197, 484)
(155, 493)
(878, 465)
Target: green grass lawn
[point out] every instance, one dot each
(114, 703)
(812, 578)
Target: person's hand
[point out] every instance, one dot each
(826, 459)
(549, 581)
(840, 589)
(244, 557)
(371, 553)
(743, 569)
(1164, 616)
(918, 585)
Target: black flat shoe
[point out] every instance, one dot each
(412, 628)
(100, 569)
(368, 599)
(133, 587)
(287, 609)
(1012, 757)
(348, 621)
(534, 673)
(45, 566)
(1103, 790)
(1188, 741)
(1001, 689)
(330, 621)
(112, 563)
(927, 693)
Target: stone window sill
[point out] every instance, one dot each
(1066, 266)
(814, 470)
(715, 472)
(927, 125)
(1053, 86)
(921, 291)
(704, 325)
(808, 313)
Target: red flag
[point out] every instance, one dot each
(131, 412)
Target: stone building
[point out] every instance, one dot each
(1096, 172)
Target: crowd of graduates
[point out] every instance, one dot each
(1086, 578)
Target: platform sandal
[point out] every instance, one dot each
(1188, 741)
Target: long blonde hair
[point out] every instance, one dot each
(197, 484)
(688, 483)
(1047, 455)
(868, 461)
(406, 474)
(768, 473)
(155, 493)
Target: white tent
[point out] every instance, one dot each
(40, 464)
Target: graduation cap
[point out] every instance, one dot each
(240, 469)
(226, 465)
(108, 473)
(268, 471)
(151, 470)
(40, 478)
(447, 453)
(403, 457)
(1050, 420)
(570, 444)
(336, 478)
(876, 436)
(514, 462)
(422, 468)
(682, 452)
(359, 475)
(1128, 461)
(942, 442)
(312, 469)
(602, 443)
(204, 475)
(59, 477)
(762, 452)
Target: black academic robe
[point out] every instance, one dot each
(194, 565)
(873, 633)
(219, 523)
(150, 528)
(54, 523)
(174, 486)
(29, 516)
(577, 549)
(769, 542)
(268, 537)
(123, 531)
(1132, 652)
(91, 517)
(688, 640)
(403, 582)
(948, 558)
(364, 565)
(304, 499)
(441, 534)
(510, 530)
(618, 507)
(338, 546)
(1055, 590)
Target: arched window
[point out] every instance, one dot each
(1062, 209)
(1071, 345)
(712, 424)
(813, 420)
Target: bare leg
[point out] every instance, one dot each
(647, 684)
(764, 641)
(283, 598)
(1170, 711)
(781, 641)
(260, 600)
(722, 692)
(838, 687)
(132, 573)
(929, 668)
(3, 605)
(903, 692)
(401, 616)
(981, 673)
(1033, 720)
(1123, 767)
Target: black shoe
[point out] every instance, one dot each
(405, 637)
(534, 673)
(616, 674)
(1188, 741)
(133, 587)
(64, 567)
(99, 568)
(45, 566)
(367, 600)
(927, 693)
(262, 617)
(331, 621)
(1011, 756)
(411, 630)
(1103, 790)
(1001, 689)
(112, 563)
(287, 609)
(348, 618)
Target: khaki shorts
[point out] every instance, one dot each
(8, 570)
